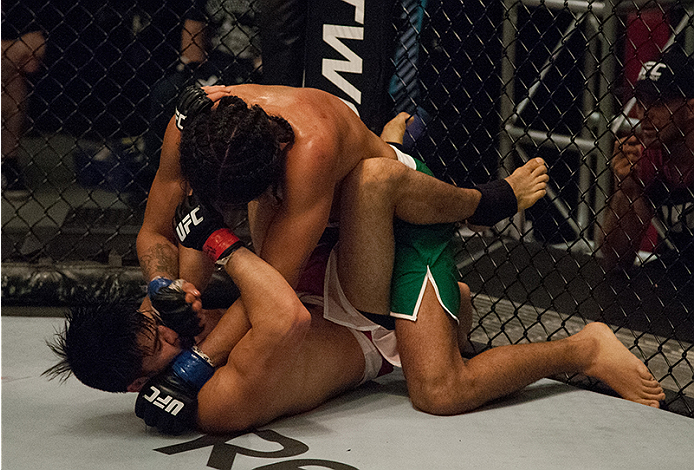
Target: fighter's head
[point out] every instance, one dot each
(233, 153)
(104, 345)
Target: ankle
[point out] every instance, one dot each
(584, 350)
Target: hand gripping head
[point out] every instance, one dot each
(191, 102)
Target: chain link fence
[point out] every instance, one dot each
(498, 83)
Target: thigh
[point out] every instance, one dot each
(332, 357)
(429, 346)
(365, 256)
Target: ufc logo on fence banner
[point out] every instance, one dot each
(183, 227)
(171, 406)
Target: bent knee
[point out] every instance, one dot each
(434, 401)
(442, 396)
(376, 177)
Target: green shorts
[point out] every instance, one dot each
(423, 253)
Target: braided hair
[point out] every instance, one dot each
(233, 153)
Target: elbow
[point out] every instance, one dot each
(294, 319)
(144, 241)
(301, 317)
(141, 243)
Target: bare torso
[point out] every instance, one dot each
(330, 140)
(329, 362)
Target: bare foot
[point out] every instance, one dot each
(394, 130)
(620, 369)
(529, 182)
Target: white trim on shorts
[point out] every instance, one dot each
(373, 360)
(413, 316)
(339, 310)
(409, 162)
(404, 158)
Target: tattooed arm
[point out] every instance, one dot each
(157, 250)
(158, 259)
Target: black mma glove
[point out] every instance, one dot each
(498, 202)
(191, 102)
(169, 300)
(203, 229)
(168, 401)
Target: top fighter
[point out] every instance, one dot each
(285, 152)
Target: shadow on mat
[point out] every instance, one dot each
(528, 394)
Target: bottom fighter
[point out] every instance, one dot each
(275, 353)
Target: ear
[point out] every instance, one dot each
(137, 384)
(167, 335)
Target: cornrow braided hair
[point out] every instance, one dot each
(231, 154)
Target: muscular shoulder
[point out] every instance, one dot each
(319, 134)
(229, 402)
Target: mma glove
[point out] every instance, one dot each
(203, 229)
(168, 401)
(192, 101)
(169, 300)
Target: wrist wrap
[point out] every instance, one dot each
(192, 368)
(221, 244)
(498, 202)
(156, 284)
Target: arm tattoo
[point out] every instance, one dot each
(160, 259)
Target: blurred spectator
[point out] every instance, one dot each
(654, 167)
(23, 50)
(220, 44)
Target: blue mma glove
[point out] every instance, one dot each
(168, 401)
(169, 301)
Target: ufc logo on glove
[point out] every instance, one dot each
(168, 404)
(180, 119)
(183, 227)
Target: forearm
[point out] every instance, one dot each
(158, 256)
(267, 303)
(195, 267)
(263, 289)
(227, 333)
